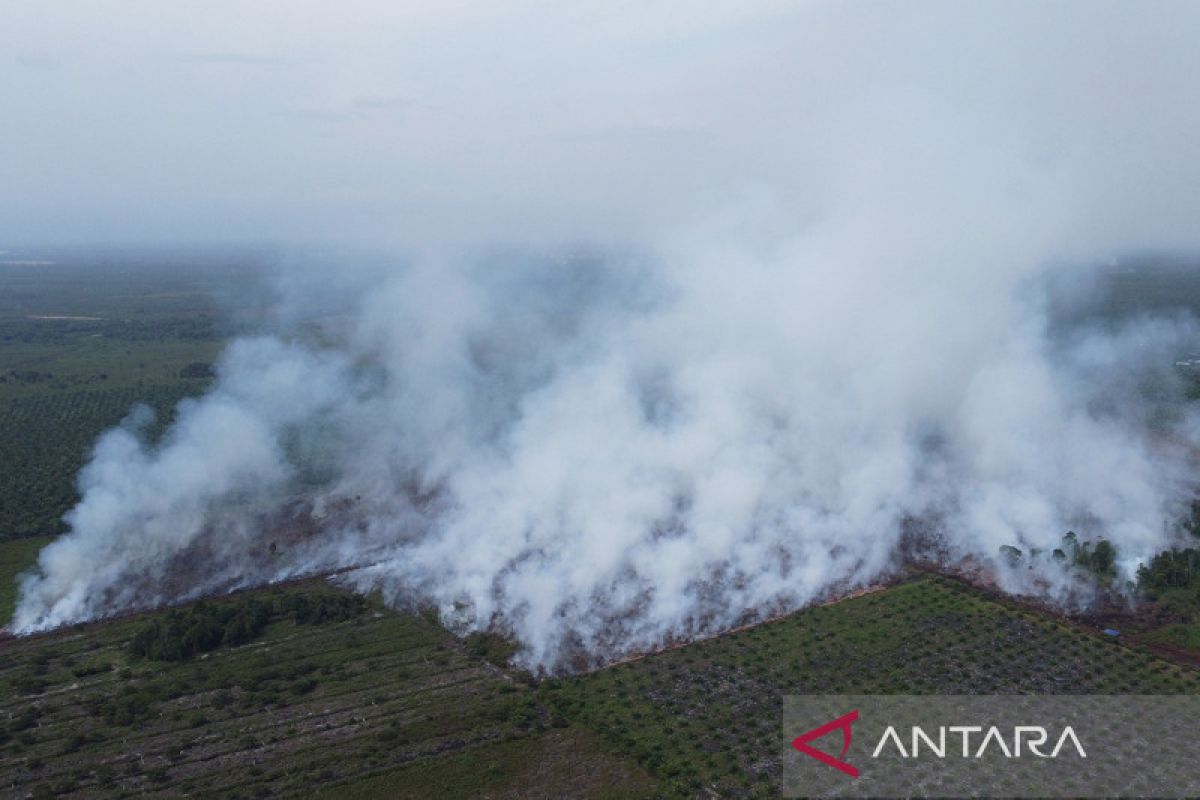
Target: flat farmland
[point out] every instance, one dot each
(49, 436)
(303, 706)
(374, 703)
(706, 717)
(82, 342)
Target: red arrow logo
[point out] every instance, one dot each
(843, 723)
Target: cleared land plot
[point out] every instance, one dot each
(379, 704)
(706, 717)
(300, 707)
(563, 762)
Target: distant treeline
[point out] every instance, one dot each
(63, 331)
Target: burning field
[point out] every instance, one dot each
(589, 461)
(632, 363)
(549, 388)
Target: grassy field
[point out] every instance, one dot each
(381, 704)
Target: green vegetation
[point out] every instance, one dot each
(334, 690)
(49, 436)
(1191, 523)
(180, 634)
(1181, 634)
(1170, 570)
(1169, 587)
(1098, 561)
(341, 696)
(1159, 283)
(318, 609)
(16, 557)
(706, 717)
(567, 762)
(490, 647)
(80, 343)
(292, 690)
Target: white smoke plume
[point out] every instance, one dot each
(824, 339)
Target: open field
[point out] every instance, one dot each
(371, 703)
(707, 716)
(81, 341)
(379, 704)
(305, 704)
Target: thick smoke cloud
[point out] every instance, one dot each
(823, 342)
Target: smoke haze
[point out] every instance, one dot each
(812, 330)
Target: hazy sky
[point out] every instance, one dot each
(389, 121)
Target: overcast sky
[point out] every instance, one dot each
(372, 121)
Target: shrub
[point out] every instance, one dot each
(178, 635)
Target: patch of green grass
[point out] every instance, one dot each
(15, 557)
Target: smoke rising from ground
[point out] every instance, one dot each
(825, 339)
